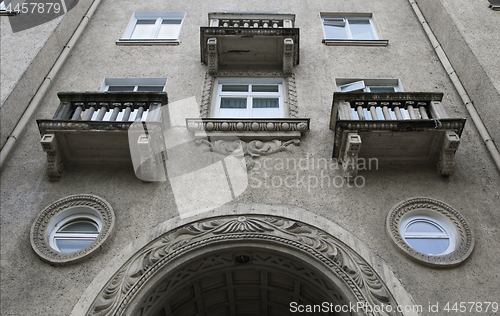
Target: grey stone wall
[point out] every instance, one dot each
(32, 287)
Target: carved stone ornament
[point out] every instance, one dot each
(464, 239)
(350, 270)
(55, 212)
(247, 151)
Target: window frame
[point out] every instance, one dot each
(136, 82)
(446, 232)
(249, 95)
(346, 16)
(158, 16)
(368, 83)
(56, 234)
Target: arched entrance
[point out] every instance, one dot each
(240, 260)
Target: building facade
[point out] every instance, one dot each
(255, 158)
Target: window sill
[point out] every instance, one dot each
(349, 42)
(146, 42)
(249, 129)
(495, 7)
(7, 13)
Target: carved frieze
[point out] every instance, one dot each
(319, 247)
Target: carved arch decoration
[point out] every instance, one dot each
(293, 230)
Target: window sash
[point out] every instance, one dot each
(255, 100)
(154, 26)
(356, 28)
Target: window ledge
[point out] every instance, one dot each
(149, 42)
(350, 42)
(249, 129)
(495, 7)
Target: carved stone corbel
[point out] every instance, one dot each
(446, 162)
(350, 158)
(55, 163)
(213, 59)
(288, 50)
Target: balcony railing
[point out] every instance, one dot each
(400, 127)
(250, 41)
(93, 127)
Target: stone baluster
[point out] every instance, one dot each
(359, 108)
(78, 112)
(411, 110)
(140, 111)
(385, 110)
(275, 24)
(246, 23)
(255, 23)
(128, 110)
(225, 23)
(90, 111)
(236, 23)
(265, 23)
(397, 110)
(102, 111)
(116, 109)
(373, 110)
(63, 112)
(423, 112)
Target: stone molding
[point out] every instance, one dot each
(39, 230)
(465, 240)
(318, 245)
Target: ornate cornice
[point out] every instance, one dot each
(465, 238)
(316, 246)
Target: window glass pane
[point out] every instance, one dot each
(265, 88)
(234, 88)
(150, 88)
(335, 29)
(169, 29)
(382, 89)
(358, 86)
(72, 245)
(260, 103)
(423, 227)
(361, 29)
(233, 103)
(429, 246)
(80, 226)
(143, 29)
(121, 88)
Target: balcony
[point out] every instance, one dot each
(93, 127)
(399, 127)
(246, 41)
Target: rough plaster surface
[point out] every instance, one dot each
(32, 287)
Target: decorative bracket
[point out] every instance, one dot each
(213, 59)
(55, 163)
(247, 150)
(288, 56)
(350, 158)
(446, 162)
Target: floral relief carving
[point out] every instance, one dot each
(247, 151)
(365, 285)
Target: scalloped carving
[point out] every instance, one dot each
(465, 242)
(356, 274)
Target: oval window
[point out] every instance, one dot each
(75, 233)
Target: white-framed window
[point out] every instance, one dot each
(134, 84)
(343, 28)
(428, 235)
(75, 233)
(356, 28)
(249, 98)
(154, 26)
(368, 85)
